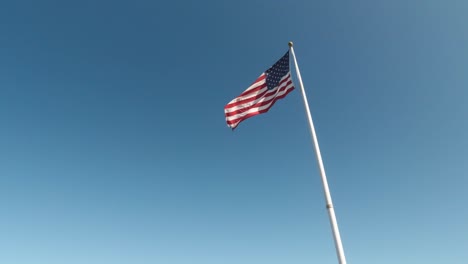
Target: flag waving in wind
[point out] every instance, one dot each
(275, 83)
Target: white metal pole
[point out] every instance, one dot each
(328, 199)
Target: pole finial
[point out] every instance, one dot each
(290, 43)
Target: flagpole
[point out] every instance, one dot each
(328, 199)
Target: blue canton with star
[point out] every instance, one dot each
(277, 71)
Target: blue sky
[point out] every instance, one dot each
(114, 148)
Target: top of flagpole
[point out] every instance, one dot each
(290, 44)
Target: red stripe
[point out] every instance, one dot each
(259, 104)
(238, 121)
(256, 105)
(233, 104)
(266, 93)
(235, 123)
(253, 98)
(240, 111)
(259, 79)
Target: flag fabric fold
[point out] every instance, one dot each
(273, 84)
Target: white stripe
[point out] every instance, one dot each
(266, 96)
(256, 109)
(249, 104)
(255, 84)
(253, 110)
(247, 96)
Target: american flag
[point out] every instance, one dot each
(275, 83)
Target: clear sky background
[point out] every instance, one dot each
(114, 147)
